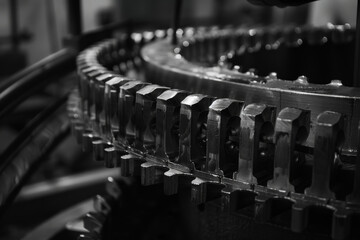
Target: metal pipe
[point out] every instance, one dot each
(52, 130)
(74, 17)
(34, 78)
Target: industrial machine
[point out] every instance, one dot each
(219, 132)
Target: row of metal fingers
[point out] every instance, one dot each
(245, 155)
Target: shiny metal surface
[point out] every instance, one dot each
(252, 141)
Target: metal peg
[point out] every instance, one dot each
(112, 157)
(167, 123)
(87, 138)
(203, 191)
(193, 115)
(84, 86)
(172, 180)
(292, 126)
(112, 90)
(222, 125)
(145, 117)
(329, 134)
(234, 199)
(152, 173)
(98, 146)
(130, 165)
(99, 97)
(126, 112)
(253, 119)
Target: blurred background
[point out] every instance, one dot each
(41, 25)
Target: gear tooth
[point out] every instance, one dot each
(222, 136)
(193, 114)
(341, 224)
(229, 199)
(113, 157)
(130, 165)
(174, 180)
(299, 217)
(273, 207)
(95, 93)
(238, 195)
(167, 124)
(329, 137)
(171, 182)
(99, 98)
(317, 215)
(152, 174)
(110, 157)
(257, 125)
(145, 118)
(260, 206)
(292, 126)
(203, 191)
(126, 112)
(98, 149)
(198, 191)
(111, 95)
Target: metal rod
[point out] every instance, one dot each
(74, 17)
(356, 80)
(14, 23)
(176, 20)
(36, 77)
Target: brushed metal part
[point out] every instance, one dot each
(126, 105)
(199, 64)
(167, 124)
(222, 132)
(193, 113)
(257, 121)
(292, 126)
(222, 83)
(112, 90)
(145, 117)
(328, 140)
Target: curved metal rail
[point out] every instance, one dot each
(42, 133)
